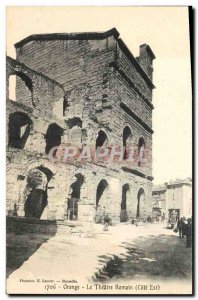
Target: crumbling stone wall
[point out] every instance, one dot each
(45, 92)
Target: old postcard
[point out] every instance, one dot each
(99, 150)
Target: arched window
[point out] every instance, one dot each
(141, 151)
(75, 126)
(102, 139)
(53, 137)
(18, 129)
(127, 140)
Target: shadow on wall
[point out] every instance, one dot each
(24, 238)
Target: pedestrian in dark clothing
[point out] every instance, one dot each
(184, 230)
(188, 231)
(163, 217)
(106, 222)
(181, 227)
(149, 219)
(15, 210)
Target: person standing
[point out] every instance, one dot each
(106, 222)
(180, 226)
(15, 210)
(163, 217)
(149, 220)
(188, 231)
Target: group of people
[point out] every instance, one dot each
(185, 230)
(184, 227)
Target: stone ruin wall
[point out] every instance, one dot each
(76, 79)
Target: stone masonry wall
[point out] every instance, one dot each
(82, 67)
(85, 70)
(46, 95)
(69, 62)
(20, 164)
(79, 85)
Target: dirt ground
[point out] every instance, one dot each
(124, 253)
(163, 256)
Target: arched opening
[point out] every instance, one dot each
(74, 197)
(75, 121)
(140, 203)
(37, 183)
(141, 151)
(123, 213)
(53, 137)
(75, 126)
(127, 140)
(20, 87)
(101, 147)
(65, 105)
(101, 139)
(101, 200)
(18, 129)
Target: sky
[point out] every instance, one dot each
(166, 30)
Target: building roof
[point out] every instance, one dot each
(163, 187)
(69, 36)
(91, 36)
(180, 181)
(159, 188)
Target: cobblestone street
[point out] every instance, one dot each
(124, 252)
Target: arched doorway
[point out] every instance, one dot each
(127, 141)
(74, 197)
(101, 200)
(123, 212)
(141, 203)
(18, 129)
(37, 199)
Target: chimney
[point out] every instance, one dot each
(146, 59)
